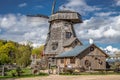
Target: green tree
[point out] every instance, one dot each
(12, 52)
(4, 58)
(5, 54)
(38, 51)
(23, 55)
(2, 42)
(6, 51)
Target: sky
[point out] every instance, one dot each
(101, 21)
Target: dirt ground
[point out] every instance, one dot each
(79, 77)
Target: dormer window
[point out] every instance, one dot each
(68, 35)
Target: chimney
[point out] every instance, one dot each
(91, 41)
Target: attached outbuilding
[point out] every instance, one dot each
(83, 56)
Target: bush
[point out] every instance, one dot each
(18, 71)
(13, 73)
(43, 74)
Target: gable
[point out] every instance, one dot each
(92, 50)
(100, 52)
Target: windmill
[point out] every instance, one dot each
(61, 36)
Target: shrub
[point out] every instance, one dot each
(13, 73)
(18, 71)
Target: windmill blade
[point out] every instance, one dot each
(37, 18)
(38, 15)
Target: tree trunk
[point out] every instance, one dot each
(3, 70)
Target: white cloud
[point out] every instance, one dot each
(99, 28)
(105, 14)
(8, 21)
(117, 2)
(111, 33)
(21, 28)
(22, 5)
(78, 5)
(111, 50)
(32, 44)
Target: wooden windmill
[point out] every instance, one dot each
(61, 35)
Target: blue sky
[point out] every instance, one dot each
(101, 20)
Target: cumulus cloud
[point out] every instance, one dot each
(78, 5)
(21, 28)
(111, 33)
(111, 50)
(22, 5)
(100, 28)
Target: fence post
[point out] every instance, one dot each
(3, 70)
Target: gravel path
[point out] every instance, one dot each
(80, 77)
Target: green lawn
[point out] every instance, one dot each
(26, 72)
(91, 73)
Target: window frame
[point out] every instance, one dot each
(68, 35)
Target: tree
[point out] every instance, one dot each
(5, 53)
(12, 52)
(23, 55)
(4, 58)
(38, 51)
(2, 42)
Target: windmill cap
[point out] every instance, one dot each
(66, 15)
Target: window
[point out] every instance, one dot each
(68, 34)
(72, 60)
(54, 45)
(91, 48)
(62, 60)
(87, 63)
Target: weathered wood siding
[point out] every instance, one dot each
(97, 59)
(67, 62)
(57, 34)
(74, 17)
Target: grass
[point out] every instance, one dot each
(23, 76)
(91, 73)
(26, 72)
